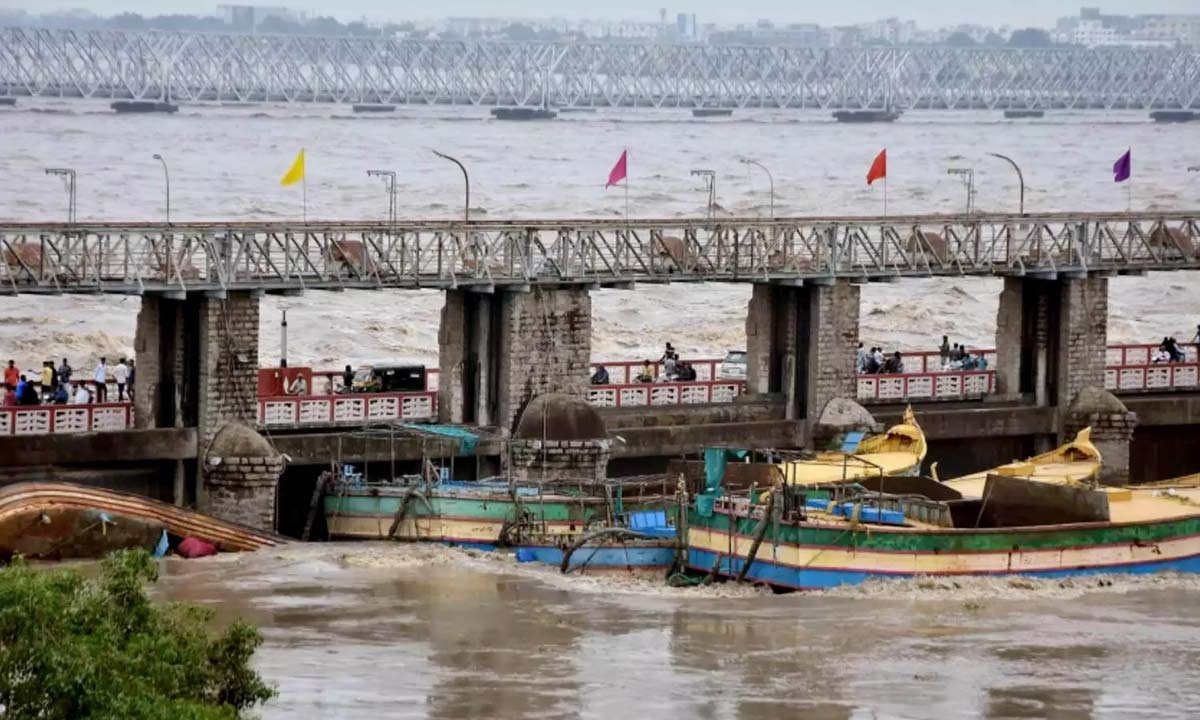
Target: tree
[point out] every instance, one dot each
(1030, 37)
(960, 39)
(993, 40)
(72, 647)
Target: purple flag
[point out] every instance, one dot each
(1123, 167)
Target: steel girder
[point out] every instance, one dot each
(117, 64)
(128, 258)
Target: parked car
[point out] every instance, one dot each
(733, 367)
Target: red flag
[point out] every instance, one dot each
(878, 168)
(617, 174)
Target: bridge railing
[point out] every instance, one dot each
(338, 409)
(1158, 377)
(61, 419)
(665, 393)
(626, 372)
(926, 386)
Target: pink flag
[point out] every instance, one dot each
(617, 174)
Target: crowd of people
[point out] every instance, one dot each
(1170, 352)
(673, 370)
(953, 358)
(57, 385)
(874, 362)
(958, 357)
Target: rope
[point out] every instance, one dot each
(621, 533)
(759, 533)
(402, 510)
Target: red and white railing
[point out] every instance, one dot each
(665, 393)
(926, 386)
(922, 363)
(336, 409)
(1138, 355)
(1152, 378)
(627, 372)
(60, 419)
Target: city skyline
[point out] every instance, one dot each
(1032, 13)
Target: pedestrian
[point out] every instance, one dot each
(347, 379)
(64, 373)
(47, 380)
(101, 378)
(26, 395)
(860, 359)
(121, 376)
(132, 377)
(12, 375)
(944, 351)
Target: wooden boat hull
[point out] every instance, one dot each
(650, 558)
(470, 519)
(63, 520)
(810, 555)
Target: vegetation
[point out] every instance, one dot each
(76, 647)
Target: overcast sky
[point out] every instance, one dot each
(931, 13)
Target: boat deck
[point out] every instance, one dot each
(829, 468)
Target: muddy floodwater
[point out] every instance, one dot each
(400, 631)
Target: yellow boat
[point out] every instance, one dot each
(1077, 461)
(898, 451)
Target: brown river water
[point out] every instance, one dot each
(372, 630)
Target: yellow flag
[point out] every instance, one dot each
(296, 172)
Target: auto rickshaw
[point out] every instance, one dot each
(379, 378)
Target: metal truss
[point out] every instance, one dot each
(245, 68)
(186, 258)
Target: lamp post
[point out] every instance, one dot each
(769, 179)
(710, 182)
(167, 178)
(968, 176)
(69, 175)
(1020, 176)
(466, 181)
(389, 180)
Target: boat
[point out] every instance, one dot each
(711, 112)
(866, 116)
(8, 101)
(481, 514)
(60, 520)
(144, 106)
(1043, 517)
(1024, 114)
(1174, 116)
(523, 113)
(372, 108)
(897, 451)
(640, 543)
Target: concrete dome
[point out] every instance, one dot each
(560, 417)
(1091, 400)
(236, 440)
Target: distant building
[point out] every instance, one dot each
(1093, 28)
(247, 18)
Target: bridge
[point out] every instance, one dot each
(136, 258)
(245, 68)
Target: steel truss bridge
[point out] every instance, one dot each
(245, 68)
(275, 257)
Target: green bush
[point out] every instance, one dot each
(75, 647)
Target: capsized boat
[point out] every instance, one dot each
(63, 520)
(479, 514)
(1042, 517)
(898, 451)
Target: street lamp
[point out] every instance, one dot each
(769, 179)
(710, 182)
(466, 181)
(69, 175)
(167, 177)
(1020, 176)
(968, 176)
(389, 180)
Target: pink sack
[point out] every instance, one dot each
(192, 548)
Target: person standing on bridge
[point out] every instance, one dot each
(101, 378)
(121, 376)
(944, 351)
(347, 379)
(132, 376)
(64, 373)
(12, 376)
(80, 396)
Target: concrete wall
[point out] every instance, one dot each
(1083, 336)
(228, 374)
(498, 352)
(832, 340)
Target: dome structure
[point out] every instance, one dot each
(241, 441)
(557, 417)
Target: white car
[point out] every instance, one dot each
(733, 367)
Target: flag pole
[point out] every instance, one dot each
(304, 197)
(626, 154)
(885, 196)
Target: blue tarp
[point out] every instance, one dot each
(466, 440)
